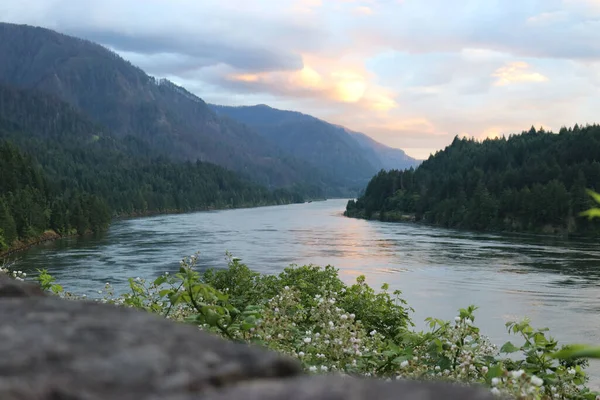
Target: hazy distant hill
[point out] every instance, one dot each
(127, 101)
(61, 171)
(350, 156)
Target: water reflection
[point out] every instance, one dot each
(552, 280)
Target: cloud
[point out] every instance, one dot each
(411, 74)
(516, 72)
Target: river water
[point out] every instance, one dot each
(555, 282)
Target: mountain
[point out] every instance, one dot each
(348, 156)
(532, 182)
(380, 154)
(128, 102)
(60, 171)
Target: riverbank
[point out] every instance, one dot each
(397, 217)
(50, 235)
(47, 236)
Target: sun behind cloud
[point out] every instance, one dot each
(350, 86)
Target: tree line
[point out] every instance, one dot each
(60, 171)
(535, 181)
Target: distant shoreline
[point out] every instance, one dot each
(51, 236)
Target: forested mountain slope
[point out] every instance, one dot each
(535, 181)
(128, 102)
(348, 156)
(66, 173)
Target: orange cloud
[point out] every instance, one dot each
(343, 81)
(422, 125)
(516, 72)
(246, 77)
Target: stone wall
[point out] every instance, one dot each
(54, 349)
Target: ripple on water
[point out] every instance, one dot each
(551, 280)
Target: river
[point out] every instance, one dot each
(555, 282)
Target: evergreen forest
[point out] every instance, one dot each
(536, 181)
(60, 172)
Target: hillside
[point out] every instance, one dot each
(61, 171)
(128, 102)
(534, 182)
(348, 156)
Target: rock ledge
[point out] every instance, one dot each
(54, 349)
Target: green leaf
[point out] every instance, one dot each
(400, 360)
(508, 347)
(494, 372)
(56, 289)
(591, 213)
(174, 298)
(160, 280)
(594, 195)
(246, 326)
(212, 318)
(540, 339)
(578, 351)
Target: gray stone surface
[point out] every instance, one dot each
(53, 349)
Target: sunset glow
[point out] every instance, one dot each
(375, 66)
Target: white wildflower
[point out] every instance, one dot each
(312, 368)
(495, 391)
(404, 364)
(457, 319)
(495, 381)
(536, 381)
(323, 368)
(517, 374)
(373, 332)
(301, 354)
(307, 340)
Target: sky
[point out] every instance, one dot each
(412, 74)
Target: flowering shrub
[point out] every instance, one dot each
(309, 313)
(18, 275)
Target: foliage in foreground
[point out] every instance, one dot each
(310, 314)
